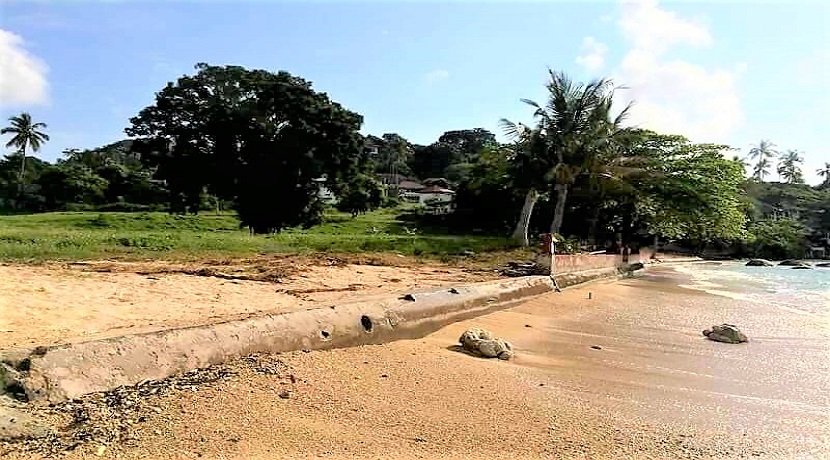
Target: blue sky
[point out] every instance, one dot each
(730, 72)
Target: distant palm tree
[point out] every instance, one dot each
(825, 173)
(788, 167)
(761, 169)
(763, 152)
(25, 135)
(741, 161)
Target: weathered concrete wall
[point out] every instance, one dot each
(68, 371)
(63, 372)
(573, 263)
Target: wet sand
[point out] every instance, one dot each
(655, 390)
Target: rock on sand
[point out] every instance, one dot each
(726, 333)
(483, 342)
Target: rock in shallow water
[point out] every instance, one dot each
(759, 263)
(726, 333)
(793, 263)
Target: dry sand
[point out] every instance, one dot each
(60, 304)
(656, 389)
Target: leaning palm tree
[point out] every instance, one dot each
(788, 167)
(25, 135)
(825, 173)
(525, 159)
(574, 134)
(765, 150)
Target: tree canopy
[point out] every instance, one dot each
(252, 136)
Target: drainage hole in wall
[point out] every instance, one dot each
(366, 322)
(325, 335)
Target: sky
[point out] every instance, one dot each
(731, 72)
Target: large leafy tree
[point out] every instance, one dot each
(763, 153)
(466, 144)
(71, 183)
(788, 167)
(252, 136)
(691, 192)
(452, 156)
(26, 135)
(574, 134)
(360, 193)
(393, 154)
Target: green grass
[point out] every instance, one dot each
(93, 235)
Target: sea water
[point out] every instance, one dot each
(806, 291)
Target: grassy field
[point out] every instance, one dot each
(93, 235)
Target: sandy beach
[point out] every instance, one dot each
(59, 304)
(624, 374)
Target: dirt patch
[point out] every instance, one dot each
(54, 304)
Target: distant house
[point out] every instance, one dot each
(433, 199)
(323, 192)
(817, 252)
(410, 186)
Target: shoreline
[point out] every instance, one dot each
(655, 389)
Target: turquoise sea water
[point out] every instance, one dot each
(801, 290)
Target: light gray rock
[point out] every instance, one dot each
(470, 339)
(793, 263)
(506, 355)
(726, 333)
(759, 263)
(486, 344)
(492, 348)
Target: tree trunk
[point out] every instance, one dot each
(559, 210)
(520, 233)
(22, 172)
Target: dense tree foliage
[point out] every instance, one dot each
(268, 146)
(256, 137)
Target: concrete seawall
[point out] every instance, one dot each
(53, 374)
(68, 371)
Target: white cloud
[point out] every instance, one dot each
(437, 75)
(593, 54)
(670, 94)
(22, 76)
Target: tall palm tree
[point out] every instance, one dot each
(26, 134)
(825, 173)
(574, 134)
(763, 152)
(788, 167)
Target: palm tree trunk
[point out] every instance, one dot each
(22, 172)
(520, 233)
(559, 210)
